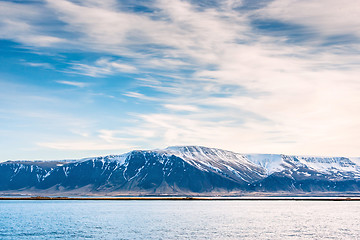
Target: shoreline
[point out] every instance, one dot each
(187, 198)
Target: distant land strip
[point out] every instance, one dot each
(188, 198)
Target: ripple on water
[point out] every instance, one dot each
(179, 220)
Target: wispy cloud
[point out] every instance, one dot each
(324, 17)
(102, 67)
(140, 96)
(187, 108)
(72, 83)
(83, 146)
(18, 22)
(37, 64)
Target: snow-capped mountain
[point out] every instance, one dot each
(337, 167)
(226, 163)
(183, 170)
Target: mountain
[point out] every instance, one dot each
(180, 171)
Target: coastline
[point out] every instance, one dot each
(187, 198)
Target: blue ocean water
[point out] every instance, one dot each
(179, 220)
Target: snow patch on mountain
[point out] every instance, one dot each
(227, 163)
(355, 160)
(270, 162)
(120, 159)
(329, 164)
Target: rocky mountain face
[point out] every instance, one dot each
(183, 170)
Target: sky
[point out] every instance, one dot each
(81, 78)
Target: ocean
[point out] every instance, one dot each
(90, 219)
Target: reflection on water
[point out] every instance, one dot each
(179, 220)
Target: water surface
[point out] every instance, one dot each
(179, 219)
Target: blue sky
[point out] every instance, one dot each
(88, 78)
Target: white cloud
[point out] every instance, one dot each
(103, 139)
(139, 96)
(83, 145)
(176, 107)
(18, 23)
(329, 17)
(35, 64)
(102, 67)
(72, 83)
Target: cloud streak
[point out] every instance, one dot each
(102, 67)
(75, 84)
